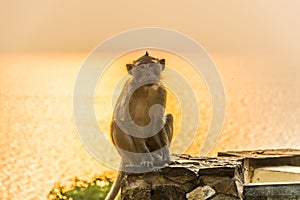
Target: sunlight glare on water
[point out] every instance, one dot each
(39, 142)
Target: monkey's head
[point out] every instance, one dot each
(146, 69)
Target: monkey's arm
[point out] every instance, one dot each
(157, 110)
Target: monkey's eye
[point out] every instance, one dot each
(142, 66)
(151, 65)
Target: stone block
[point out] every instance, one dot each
(187, 178)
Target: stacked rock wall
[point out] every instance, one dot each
(189, 178)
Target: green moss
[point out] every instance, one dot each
(96, 189)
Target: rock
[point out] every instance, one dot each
(196, 194)
(167, 192)
(227, 187)
(201, 193)
(218, 171)
(167, 183)
(212, 180)
(208, 192)
(138, 189)
(223, 197)
(179, 175)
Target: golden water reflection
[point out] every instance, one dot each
(39, 141)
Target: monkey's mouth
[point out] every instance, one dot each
(149, 78)
(149, 84)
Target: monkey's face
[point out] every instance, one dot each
(149, 72)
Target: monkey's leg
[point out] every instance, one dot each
(159, 143)
(124, 144)
(169, 127)
(144, 156)
(168, 130)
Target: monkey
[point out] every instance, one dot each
(140, 130)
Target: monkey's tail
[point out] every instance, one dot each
(117, 184)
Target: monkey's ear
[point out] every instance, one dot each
(162, 62)
(129, 68)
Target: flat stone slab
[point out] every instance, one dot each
(263, 153)
(276, 174)
(284, 191)
(254, 160)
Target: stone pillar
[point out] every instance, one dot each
(189, 178)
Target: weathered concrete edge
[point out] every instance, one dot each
(290, 189)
